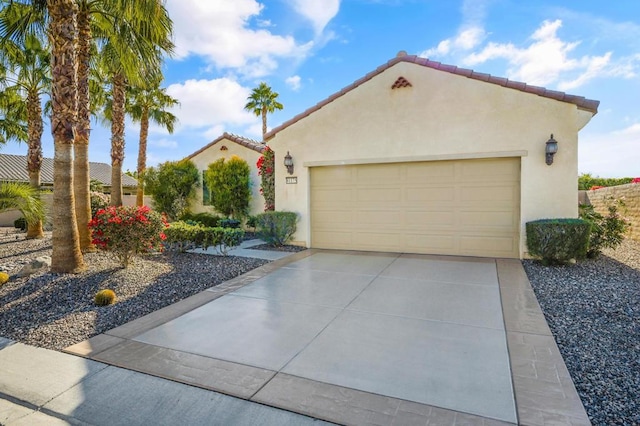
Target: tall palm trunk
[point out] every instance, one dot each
(81, 175)
(34, 155)
(66, 256)
(142, 155)
(117, 137)
(264, 122)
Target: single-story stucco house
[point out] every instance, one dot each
(13, 168)
(226, 146)
(422, 157)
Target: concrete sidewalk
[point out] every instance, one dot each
(44, 387)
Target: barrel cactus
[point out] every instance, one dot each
(105, 297)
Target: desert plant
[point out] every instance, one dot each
(557, 241)
(20, 223)
(4, 278)
(230, 184)
(276, 228)
(606, 231)
(128, 231)
(105, 297)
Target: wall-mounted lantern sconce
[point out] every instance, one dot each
(550, 149)
(288, 163)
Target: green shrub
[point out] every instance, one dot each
(252, 222)
(4, 278)
(276, 228)
(172, 185)
(20, 223)
(205, 219)
(606, 231)
(229, 223)
(105, 297)
(182, 236)
(557, 241)
(230, 184)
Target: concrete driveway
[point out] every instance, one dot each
(356, 338)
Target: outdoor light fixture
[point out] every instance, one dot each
(288, 163)
(550, 149)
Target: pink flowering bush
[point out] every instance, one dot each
(266, 169)
(128, 231)
(635, 180)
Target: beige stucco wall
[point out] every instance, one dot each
(213, 153)
(443, 116)
(629, 193)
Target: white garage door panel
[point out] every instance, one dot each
(466, 207)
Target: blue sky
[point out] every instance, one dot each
(308, 49)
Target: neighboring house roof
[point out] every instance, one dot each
(580, 101)
(14, 168)
(240, 140)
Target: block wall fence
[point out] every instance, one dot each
(630, 193)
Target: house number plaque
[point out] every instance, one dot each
(292, 179)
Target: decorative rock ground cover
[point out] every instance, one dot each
(593, 310)
(57, 310)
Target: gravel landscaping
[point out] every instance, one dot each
(56, 310)
(593, 310)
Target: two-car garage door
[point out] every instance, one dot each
(462, 207)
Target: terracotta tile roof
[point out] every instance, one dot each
(240, 140)
(14, 168)
(580, 101)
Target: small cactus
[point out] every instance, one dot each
(4, 278)
(105, 297)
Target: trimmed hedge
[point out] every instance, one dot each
(182, 236)
(276, 228)
(205, 219)
(557, 241)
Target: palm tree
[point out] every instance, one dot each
(132, 54)
(262, 101)
(149, 103)
(28, 65)
(63, 32)
(13, 117)
(97, 22)
(22, 197)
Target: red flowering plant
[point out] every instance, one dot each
(635, 180)
(266, 169)
(128, 231)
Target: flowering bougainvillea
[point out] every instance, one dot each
(266, 169)
(635, 180)
(127, 231)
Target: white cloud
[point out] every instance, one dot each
(219, 31)
(293, 82)
(255, 131)
(318, 12)
(470, 33)
(163, 143)
(210, 103)
(540, 63)
(213, 132)
(612, 154)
